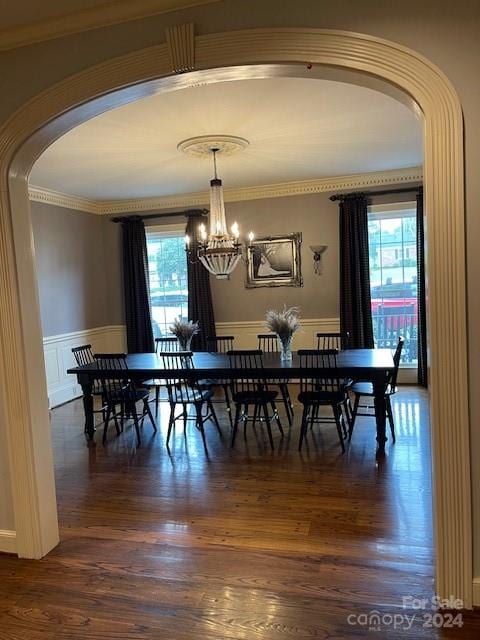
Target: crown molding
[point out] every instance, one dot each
(104, 15)
(281, 190)
(65, 200)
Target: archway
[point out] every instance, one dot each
(183, 62)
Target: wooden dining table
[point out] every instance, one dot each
(367, 365)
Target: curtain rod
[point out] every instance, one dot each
(344, 196)
(175, 214)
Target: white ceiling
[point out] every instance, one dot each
(298, 129)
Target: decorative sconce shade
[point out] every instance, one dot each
(318, 250)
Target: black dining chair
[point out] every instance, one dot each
(187, 392)
(220, 344)
(162, 345)
(268, 343)
(321, 390)
(365, 390)
(251, 391)
(338, 340)
(120, 391)
(83, 355)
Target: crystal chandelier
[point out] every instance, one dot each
(219, 251)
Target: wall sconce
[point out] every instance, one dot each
(318, 250)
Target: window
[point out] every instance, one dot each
(167, 266)
(392, 237)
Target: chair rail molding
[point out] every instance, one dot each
(281, 190)
(236, 55)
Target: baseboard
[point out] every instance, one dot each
(476, 592)
(8, 541)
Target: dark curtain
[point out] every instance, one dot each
(200, 307)
(355, 304)
(421, 299)
(137, 293)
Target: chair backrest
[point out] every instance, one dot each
(116, 362)
(83, 354)
(179, 389)
(320, 359)
(268, 342)
(166, 344)
(220, 344)
(396, 361)
(338, 341)
(247, 359)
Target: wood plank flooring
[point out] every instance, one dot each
(247, 544)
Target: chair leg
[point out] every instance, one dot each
(235, 424)
(107, 420)
(267, 422)
(171, 421)
(277, 418)
(228, 403)
(214, 415)
(354, 416)
(338, 421)
(200, 425)
(149, 413)
(245, 420)
(286, 404)
(157, 399)
(390, 417)
(185, 416)
(132, 409)
(303, 426)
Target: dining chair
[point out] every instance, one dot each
(186, 392)
(162, 345)
(83, 355)
(321, 390)
(220, 344)
(120, 391)
(338, 341)
(268, 343)
(251, 391)
(365, 389)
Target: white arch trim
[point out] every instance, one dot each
(231, 55)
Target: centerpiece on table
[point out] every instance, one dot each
(284, 324)
(184, 330)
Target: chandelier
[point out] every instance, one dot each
(219, 250)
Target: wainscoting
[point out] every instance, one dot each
(58, 358)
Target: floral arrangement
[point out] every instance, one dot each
(184, 330)
(283, 323)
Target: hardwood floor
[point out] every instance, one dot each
(246, 544)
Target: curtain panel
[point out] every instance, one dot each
(355, 299)
(421, 295)
(200, 305)
(136, 284)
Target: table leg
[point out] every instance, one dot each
(380, 416)
(86, 385)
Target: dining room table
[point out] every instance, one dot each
(366, 365)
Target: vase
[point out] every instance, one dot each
(184, 343)
(285, 348)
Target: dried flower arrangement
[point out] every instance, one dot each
(283, 323)
(184, 330)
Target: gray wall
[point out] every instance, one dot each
(78, 269)
(317, 218)
(445, 32)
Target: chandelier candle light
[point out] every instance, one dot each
(219, 251)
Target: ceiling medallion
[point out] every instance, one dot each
(202, 146)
